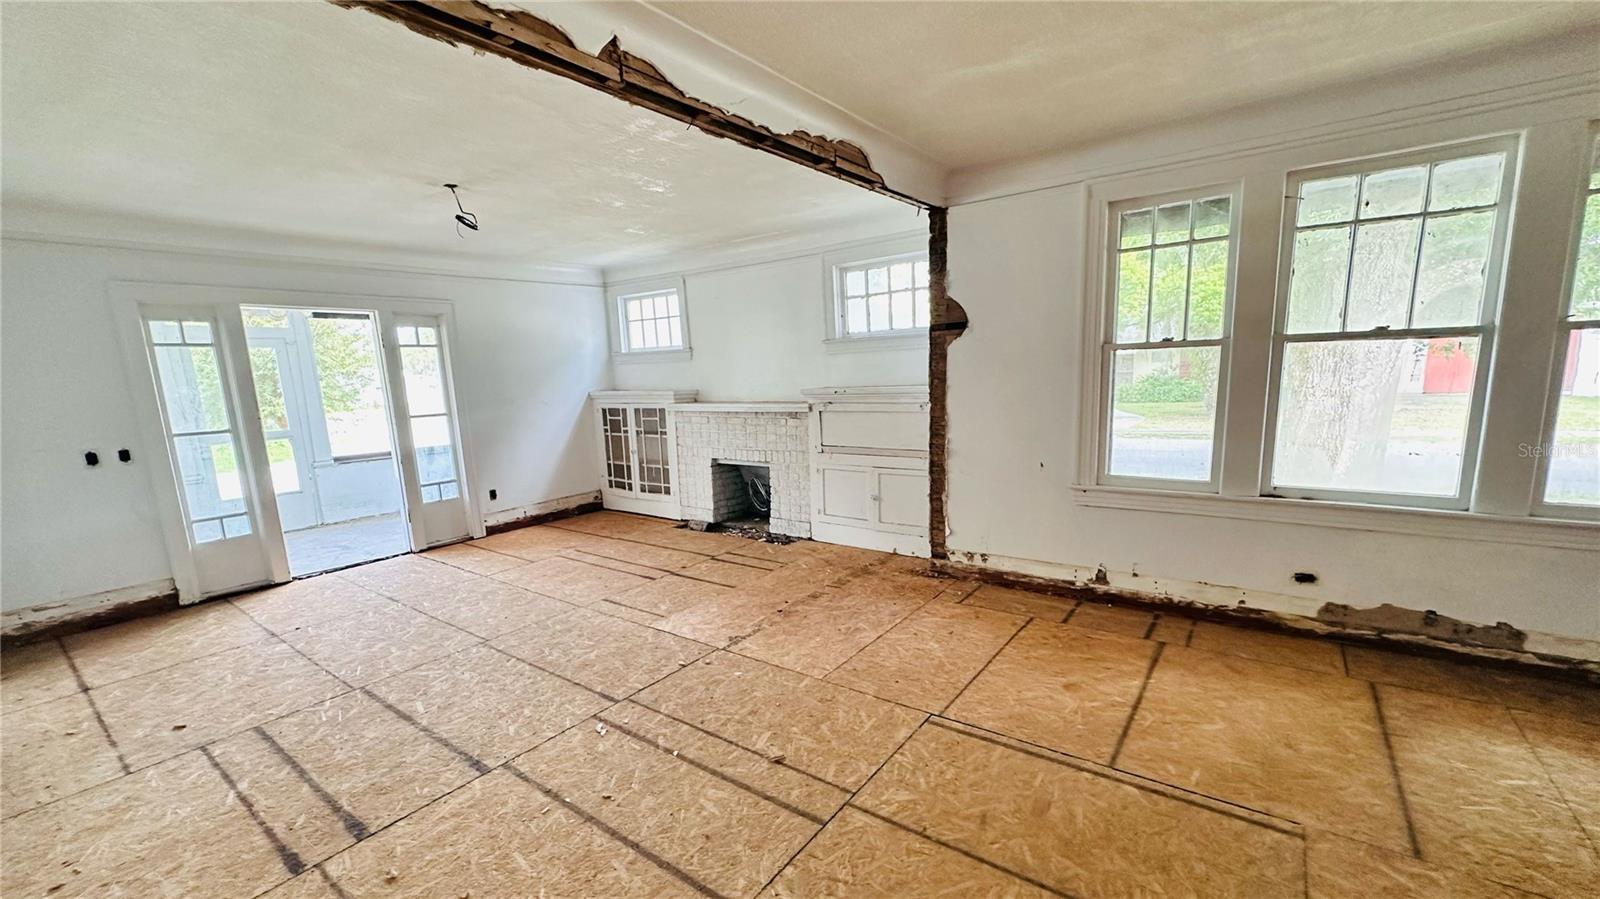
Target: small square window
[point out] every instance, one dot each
(882, 297)
(651, 322)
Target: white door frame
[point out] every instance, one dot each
(126, 299)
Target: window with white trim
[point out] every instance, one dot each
(1165, 342)
(1572, 453)
(1384, 325)
(651, 322)
(883, 296)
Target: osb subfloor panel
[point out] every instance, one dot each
(612, 706)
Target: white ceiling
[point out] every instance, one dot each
(973, 83)
(308, 121)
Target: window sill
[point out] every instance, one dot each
(640, 356)
(916, 340)
(1551, 532)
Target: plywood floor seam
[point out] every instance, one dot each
(1238, 811)
(1394, 768)
(88, 696)
(865, 731)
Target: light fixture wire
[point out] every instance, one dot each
(463, 217)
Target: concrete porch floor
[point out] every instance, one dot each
(611, 706)
(331, 546)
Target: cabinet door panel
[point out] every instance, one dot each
(903, 498)
(844, 494)
(893, 430)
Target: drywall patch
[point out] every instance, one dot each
(1389, 618)
(530, 41)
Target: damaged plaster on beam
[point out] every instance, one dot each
(530, 41)
(947, 321)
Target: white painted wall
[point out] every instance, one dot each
(1017, 380)
(526, 355)
(758, 328)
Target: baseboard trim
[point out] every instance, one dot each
(57, 619)
(1548, 664)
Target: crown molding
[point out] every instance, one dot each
(38, 224)
(770, 251)
(1552, 79)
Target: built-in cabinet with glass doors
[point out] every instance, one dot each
(638, 449)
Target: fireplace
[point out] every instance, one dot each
(723, 446)
(741, 495)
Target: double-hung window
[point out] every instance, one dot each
(1572, 454)
(1384, 322)
(1165, 339)
(882, 297)
(650, 322)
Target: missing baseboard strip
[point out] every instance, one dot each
(47, 622)
(1534, 662)
(529, 521)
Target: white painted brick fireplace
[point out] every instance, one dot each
(776, 435)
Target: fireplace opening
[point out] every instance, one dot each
(741, 497)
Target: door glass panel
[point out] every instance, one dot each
(650, 428)
(191, 385)
(346, 353)
(431, 435)
(436, 459)
(165, 332)
(424, 385)
(285, 474)
(269, 388)
(210, 472)
(199, 429)
(619, 451)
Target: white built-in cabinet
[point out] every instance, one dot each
(869, 467)
(638, 449)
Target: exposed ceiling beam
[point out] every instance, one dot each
(531, 41)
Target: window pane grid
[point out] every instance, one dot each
(1583, 306)
(1386, 328)
(1165, 342)
(1571, 457)
(1171, 272)
(652, 321)
(886, 296)
(1435, 273)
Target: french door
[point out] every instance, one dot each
(426, 428)
(213, 438)
(235, 472)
